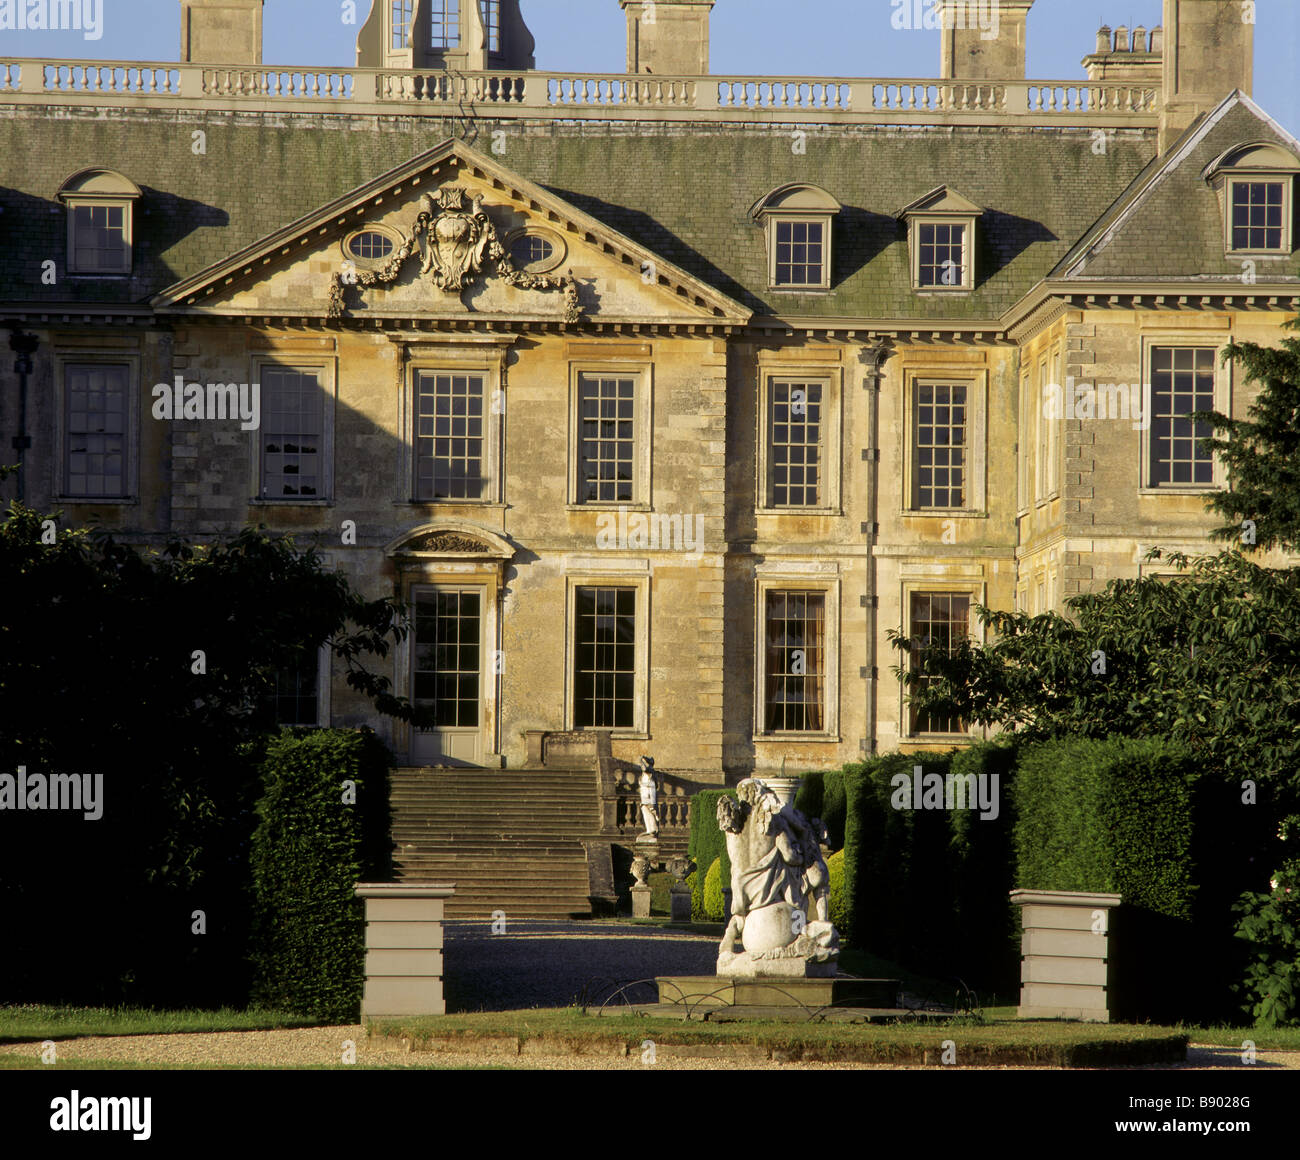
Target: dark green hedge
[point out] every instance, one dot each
(1141, 819)
(1110, 816)
(707, 842)
(309, 851)
(928, 888)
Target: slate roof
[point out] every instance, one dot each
(681, 191)
(1170, 224)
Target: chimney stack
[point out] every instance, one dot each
(221, 32)
(983, 39)
(1209, 51)
(668, 37)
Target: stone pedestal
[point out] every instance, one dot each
(403, 948)
(679, 902)
(641, 901)
(1065, 954)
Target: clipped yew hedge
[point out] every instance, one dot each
(707, 843)
(311, 846)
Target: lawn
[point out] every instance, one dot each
(35, 1022)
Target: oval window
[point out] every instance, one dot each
(370, 246)
(530, 250)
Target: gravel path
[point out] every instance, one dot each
(550, 964)
(315, 1046)
(533, 964)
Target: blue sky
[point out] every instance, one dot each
(830, 37)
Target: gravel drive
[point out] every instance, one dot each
(548, 964)
(315, 1046)
(533, 964)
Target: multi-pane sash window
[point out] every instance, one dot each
(604, 669)
(445, 20)
(940, 446)
(100, 241)
(96, 418)
(800, 252)
(1257, 208)
(794, 450)
(402, 12)
(942, 258)
(449, 436)
(795, 695)
(607, 435)
(448, 656)
(491, 12)
(293, 433)
(940, 622)
(1182, 382)
(294, 699)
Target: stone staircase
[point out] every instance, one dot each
(510, 840)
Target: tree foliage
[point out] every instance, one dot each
(1262, 452)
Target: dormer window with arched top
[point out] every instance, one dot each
(1255, 185)
(797, 220)
(941, 240)
(100, 226)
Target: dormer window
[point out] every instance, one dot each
(797, 220)
(941, 240)
(1254, 184)
(100, 225)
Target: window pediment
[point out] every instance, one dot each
(449, 540)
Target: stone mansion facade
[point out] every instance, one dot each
(660, 397)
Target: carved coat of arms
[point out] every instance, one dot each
(455, 239)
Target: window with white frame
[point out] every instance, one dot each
(797, 220)
(609, 435)
(96, 438)
(941, 240)
(1182, 383)
(605, 657)
(294, 698)
(938, 623)
(1255, 185)
(401, 13)
(942, 455)
(451, 436)
(795, 448)
(100, 215)
(491, 13)
(794, 685)
(445, 23)
(946, 431)
(798, 438)
(292, 435)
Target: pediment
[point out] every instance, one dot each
(450, 540)
(943, 200)
(452, 235)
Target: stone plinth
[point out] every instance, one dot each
(403, 948)
(1065, 954)
(715, 991)
(641, 901)
(679, 902)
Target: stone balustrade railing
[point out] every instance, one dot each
(575, 95)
